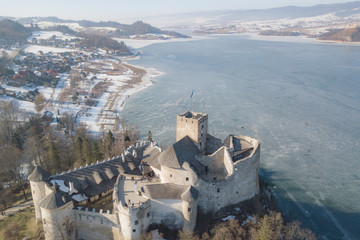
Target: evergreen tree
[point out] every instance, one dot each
(96, 154)
(86, 150)
(149, 137)
(18, 140)
(109, 144)
(79, 158)
(127, 140)
(54, 157)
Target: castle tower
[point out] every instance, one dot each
(39, 188)
(194, 125)
(57, 215)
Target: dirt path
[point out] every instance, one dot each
(15, 209)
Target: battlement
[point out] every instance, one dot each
(193, 115)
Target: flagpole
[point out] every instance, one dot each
(192, 100)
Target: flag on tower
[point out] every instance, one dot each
(192, 93)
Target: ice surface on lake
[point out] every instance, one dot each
(301, 100)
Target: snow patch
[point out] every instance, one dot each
(79, 197)
(45, 35)
(61, 184)
(45, 49)
(249, 219)
(230, 217)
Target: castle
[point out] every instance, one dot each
(149, 186)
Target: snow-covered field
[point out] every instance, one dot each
(45, 35)
(36, 48)
(74, 26)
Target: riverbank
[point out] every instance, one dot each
(120, 87)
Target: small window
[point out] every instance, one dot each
(218, 190)
(148, 214)
(189, 209)
(187, 179)
(202, 126)
(170, 175)
(201, 134)
(134, 230)
(136, 222)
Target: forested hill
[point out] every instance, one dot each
(97, 41)
(120, 30)
(125, 30)
(350, 34)
(13, 31)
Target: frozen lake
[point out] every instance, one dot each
(301, 99)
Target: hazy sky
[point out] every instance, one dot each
(119, 9)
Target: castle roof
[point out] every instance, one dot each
(150, 156)
(194, 115)
(54, 200)
(191, 194)
(98, 178)
(182, 151)
(170, 191)
(38, 175)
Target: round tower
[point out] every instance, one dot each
(39, 183)
(57, 216)
(189, 208)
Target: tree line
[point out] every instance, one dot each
(56, 147)
(13, 31)
(268, 227)
(104, 42)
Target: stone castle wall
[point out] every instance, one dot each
(96, 225)
(134, 220)
(39, 190)
(242, 185)
(55, 222)
(167, 212)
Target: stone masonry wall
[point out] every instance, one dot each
(96, 225)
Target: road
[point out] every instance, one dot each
(15, 209)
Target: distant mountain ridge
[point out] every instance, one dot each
(182, 20)
(122, 30)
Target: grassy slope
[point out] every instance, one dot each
(25, 224)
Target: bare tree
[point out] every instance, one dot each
(10, 165)
(75, 78)
(10, 118)
(65, 229)
(40, 102)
